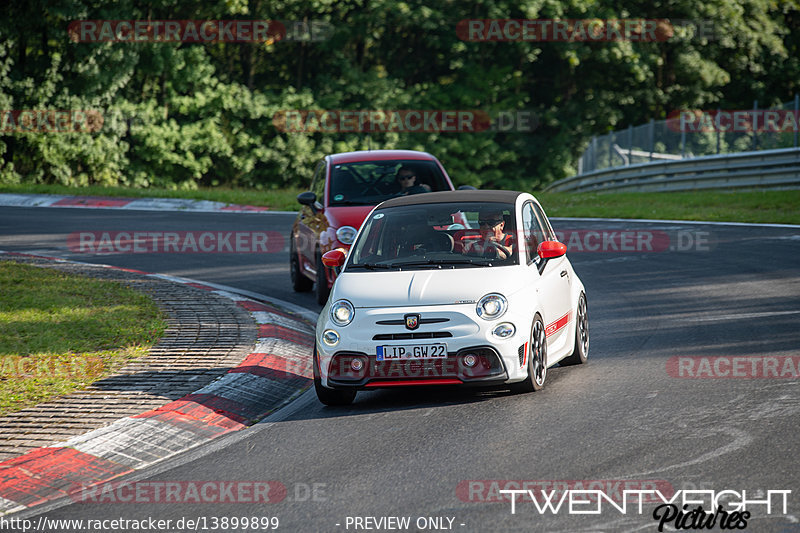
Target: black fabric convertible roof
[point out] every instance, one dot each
(453, 196)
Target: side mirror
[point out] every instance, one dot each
(548, 249)
(333, 259)
(467, 188)
(307, 198)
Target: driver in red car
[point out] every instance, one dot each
(407, 179)
(493, 241)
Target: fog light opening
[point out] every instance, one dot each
(357, 364)
(330, 337)
(504, 330)
(470, 360)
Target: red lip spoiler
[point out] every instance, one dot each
(406, 382)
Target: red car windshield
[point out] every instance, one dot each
(372, 182)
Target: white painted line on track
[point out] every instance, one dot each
(695, 222)
(739, 441)
(741, 316)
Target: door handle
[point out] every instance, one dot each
(563, 273)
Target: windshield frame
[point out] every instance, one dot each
(386, 231)
(343, 194)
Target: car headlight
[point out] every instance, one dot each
(342, 312)
(491, 306)
(346, 234)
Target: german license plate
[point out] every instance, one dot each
(411, 351)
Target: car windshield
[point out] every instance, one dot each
(371, 182)
(436, 236)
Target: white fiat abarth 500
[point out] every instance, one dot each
(450, 288)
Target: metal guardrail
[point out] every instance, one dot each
(775, 169)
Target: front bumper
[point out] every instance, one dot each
(496, 361)
(452, 370)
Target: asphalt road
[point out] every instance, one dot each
(626, 415)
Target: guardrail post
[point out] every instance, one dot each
(755, 132)
(796, 114)
(630, 139)
(652, 138)
(683, 142)
(594, 153)
(719, 110)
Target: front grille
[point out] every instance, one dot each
(402, 322)
(415, 335)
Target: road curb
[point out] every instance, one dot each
(272, 370)
(130, 204)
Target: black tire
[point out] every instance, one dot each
(322, 289)
(581, 351)
(537, 360)
(330, 397)
(334, 397)
(300, 283)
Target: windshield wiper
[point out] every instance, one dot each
(441, 262)
(348, 202)
(373, 266)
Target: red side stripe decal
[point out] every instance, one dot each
(557, 325)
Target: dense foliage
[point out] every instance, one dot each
(188, 114)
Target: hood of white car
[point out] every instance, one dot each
(424, 287)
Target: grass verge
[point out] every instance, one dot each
(781, 207)
(721, 206)
(60, 332)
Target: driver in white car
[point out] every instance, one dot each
(493, 241)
